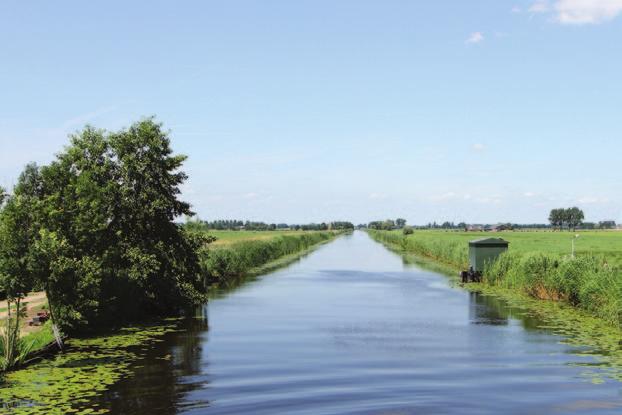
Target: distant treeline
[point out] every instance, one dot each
(560, 221)
(239, 225)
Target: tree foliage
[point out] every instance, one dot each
(571, 218)
(101, 237)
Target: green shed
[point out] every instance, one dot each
(485, 250)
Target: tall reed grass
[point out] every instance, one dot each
(232, 261)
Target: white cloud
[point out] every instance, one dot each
(479, 147)
(578, 12)
(442, 197)
(529, 194)
(493, 200)
(516, 9)
(475, 37)
(377, 196)
(251, 195)
(540, 6)
(591, 200)
(587, 11)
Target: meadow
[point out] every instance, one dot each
(224, 238)
(538, 263)
(601, 243)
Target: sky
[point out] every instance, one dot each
(480, 111)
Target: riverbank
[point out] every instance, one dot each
(226, 263)
(591, 334)
(591, 282)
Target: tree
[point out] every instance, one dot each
(388, 224)
(106, 246)
(574, 217)
(15, 275)
(400, 223)
(557, 218)
(607, 224)
(408, 230)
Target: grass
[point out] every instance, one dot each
(244, 252)
(537, 264)
(230, 237)
(606, 243)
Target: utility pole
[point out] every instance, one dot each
(573, 239)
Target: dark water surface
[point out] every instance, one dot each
(350, 329)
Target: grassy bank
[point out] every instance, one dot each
(536, 264)
(226, 238)
(228, 261)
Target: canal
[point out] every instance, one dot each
(352, 329)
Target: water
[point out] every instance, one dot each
(351, 329)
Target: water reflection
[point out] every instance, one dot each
(487, 310)
(167, 373)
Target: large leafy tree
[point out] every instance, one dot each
(106, 245)
(574, 217)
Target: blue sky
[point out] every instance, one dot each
(299, 111)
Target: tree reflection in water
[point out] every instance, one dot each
(167, 373)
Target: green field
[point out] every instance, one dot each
(606, 243)
(229, 237)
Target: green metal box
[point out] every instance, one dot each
(483, 251)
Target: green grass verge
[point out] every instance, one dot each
(224, 238)
(225, 263)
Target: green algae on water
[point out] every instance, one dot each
(67, 383)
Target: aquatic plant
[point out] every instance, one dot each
(68, 383)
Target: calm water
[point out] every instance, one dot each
(350, 329)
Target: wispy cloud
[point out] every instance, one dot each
(587, 11)
(540, 6)
(579, 12)
(82, 119)
(377, 196)
(475, 37)
(478, 147)
(591, 200)
(516, 9)
(250, 195)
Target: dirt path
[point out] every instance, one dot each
(33, 303)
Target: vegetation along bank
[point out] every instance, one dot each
(228, 261)
(539, 264)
